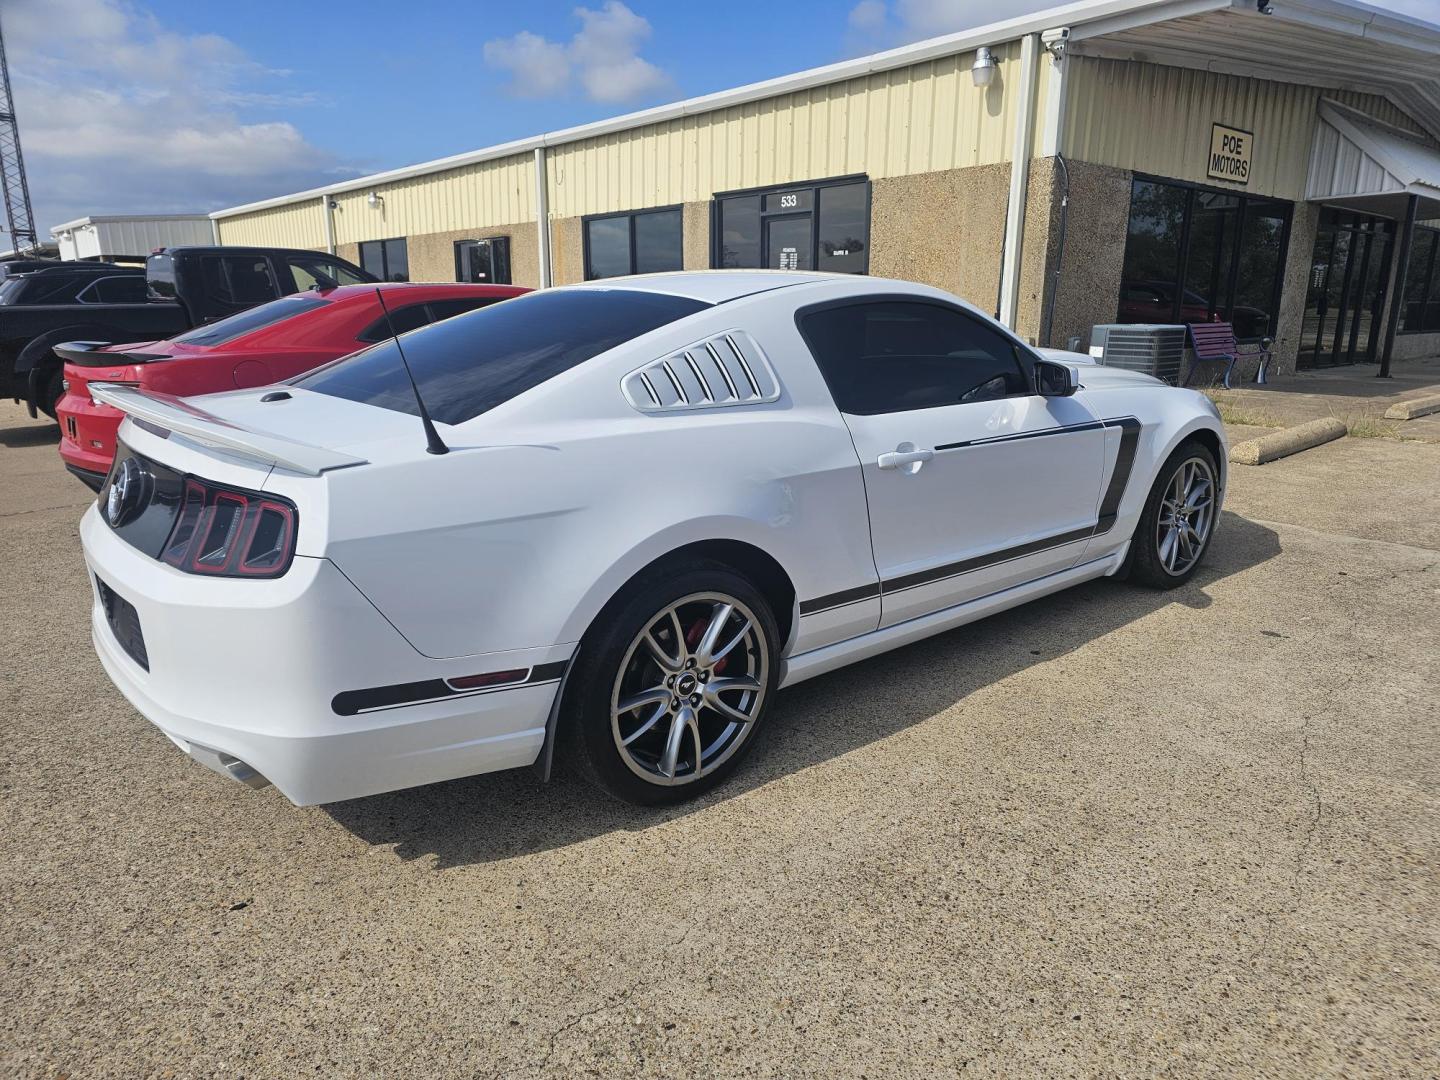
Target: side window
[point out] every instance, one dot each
(235, 279)
(444, 309)
(896, 356)
(129, 289)
(404, 320)
(308, 273)
(388, 260)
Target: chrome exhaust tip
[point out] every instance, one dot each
(227, 765)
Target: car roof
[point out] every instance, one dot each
(108, 269)
(396, 290)
(710, 286)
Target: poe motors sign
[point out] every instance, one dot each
(1230, 150)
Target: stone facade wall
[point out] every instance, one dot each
(432, 255)
(943, 229)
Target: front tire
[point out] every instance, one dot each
(1179, 519)
(673, 683)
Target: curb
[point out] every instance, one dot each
(1409, 410)
(1287, 441)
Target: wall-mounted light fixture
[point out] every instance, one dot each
(983, 70)
(375, 199)
(332, 203)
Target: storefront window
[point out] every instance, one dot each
(388, 260)
(643, 242)
(823, 225)
(1196, 255)
(1421, 313)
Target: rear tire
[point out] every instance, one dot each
(672, 684)
(52, 389)
(1179, 519)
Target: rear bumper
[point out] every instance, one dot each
(87, 434)
(242, 675)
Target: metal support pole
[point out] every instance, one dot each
(1019, 180)
(542, 215)
(329, 212)
(1397, 294)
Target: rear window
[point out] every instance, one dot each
(469, 364)
(246, 322)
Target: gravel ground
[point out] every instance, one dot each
(1115, 832)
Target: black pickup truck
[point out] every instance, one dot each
(179, 288)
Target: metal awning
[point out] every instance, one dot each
(1359, 161)
(1337, 44)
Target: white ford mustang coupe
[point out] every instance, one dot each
(621, 515)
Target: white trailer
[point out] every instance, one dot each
(129, 236)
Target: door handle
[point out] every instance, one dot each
(905, 457)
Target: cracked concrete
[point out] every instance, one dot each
(1115, 832)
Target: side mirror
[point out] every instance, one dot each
(1053, 380)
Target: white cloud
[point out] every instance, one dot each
(603, 57)
(119, 114)
(876, 24)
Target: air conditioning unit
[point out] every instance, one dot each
(1155, 348)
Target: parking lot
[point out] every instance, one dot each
(1114, 832)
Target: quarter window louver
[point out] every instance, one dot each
(726, 369)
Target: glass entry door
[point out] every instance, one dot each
(1349, 274)
(788, 241)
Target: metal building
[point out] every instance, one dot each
(129, 235)
(1274, 165)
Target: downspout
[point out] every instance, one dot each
(1019, 181)
(327, 207)
(542, 215)
(215, 231)
(1059, 251)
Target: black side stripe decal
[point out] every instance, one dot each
(351, 702)
(839, 599)
(1109, 507)
(1017, 436)
(1120, 478)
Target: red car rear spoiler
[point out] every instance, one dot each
(87, 354)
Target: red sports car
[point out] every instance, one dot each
(265, 344)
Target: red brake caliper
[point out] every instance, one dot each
(692, 638)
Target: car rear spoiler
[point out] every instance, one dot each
(88, 354)
(177, 415)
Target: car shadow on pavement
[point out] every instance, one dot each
(508, 814)
(37, 434)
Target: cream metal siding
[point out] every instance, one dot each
(296, 225)
(500, 192)
(1156, 119)
(923, 118)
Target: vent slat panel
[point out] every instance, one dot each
(726, 369)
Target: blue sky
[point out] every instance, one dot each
(130, 106)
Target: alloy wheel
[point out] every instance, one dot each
(689, 689)
(1187, 514)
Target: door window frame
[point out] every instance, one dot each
(461, 255)
(1025, 357)
(717, 239)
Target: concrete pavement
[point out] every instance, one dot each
(1114, 832)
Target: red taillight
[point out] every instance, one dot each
(223, 532)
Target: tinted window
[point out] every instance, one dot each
(445, 309)
(1421, 310)
(160, 276)
(470, 364)
(844, 228)
(645, 242)
(241, 279)
(608, 242)
(388, 260)
(308, 273)
(246, 322)
(894, 356)
(657, 242)
(119, 290)
(403, 319)
(739, 233)
(1193, 255)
